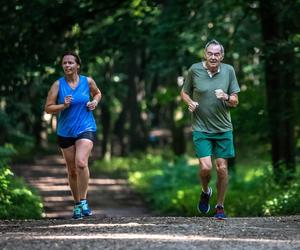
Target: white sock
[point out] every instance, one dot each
(206, 192)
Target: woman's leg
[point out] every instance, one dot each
(83, 150)
(69, 156)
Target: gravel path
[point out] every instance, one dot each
(152, 233)
(121, 221)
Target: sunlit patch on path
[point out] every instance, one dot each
(153, 233)
(107, 197)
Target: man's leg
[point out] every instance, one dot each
(69, 156)
(205, 166)
(205, 176)
(222, 179)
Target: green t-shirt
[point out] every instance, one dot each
(212, 115)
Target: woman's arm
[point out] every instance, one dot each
(51, 107)
(95, 93)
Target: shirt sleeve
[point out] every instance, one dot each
(188, 83)
(233, 86)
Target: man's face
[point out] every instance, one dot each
(213, 56)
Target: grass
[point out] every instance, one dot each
(170, 185)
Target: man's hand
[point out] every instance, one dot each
(192, 106)
(221, 95)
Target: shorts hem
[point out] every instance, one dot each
(225, 156)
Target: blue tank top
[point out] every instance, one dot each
(75, 119)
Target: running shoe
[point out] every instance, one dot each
(220, 215)
(77, 212)
(203, 204)
(85, 209)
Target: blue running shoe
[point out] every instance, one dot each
(85, 209)
(220, 215)
(203, 204)
(77, 212)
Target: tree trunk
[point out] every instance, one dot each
(178, 138)
(106, 124)
(280, 84)
(119, 130)
(137, 135)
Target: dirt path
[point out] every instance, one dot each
(107, 197)
(121, 221)
(141, 233)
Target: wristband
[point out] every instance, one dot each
(95, 101)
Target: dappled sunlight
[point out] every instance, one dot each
(107, 197)
(101, 181)
(99, 225)
(51, 199)
(161, 237)
(49, 169)
(253, 173)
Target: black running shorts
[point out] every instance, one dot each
(65, 142)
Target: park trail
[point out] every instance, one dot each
(107, 197)
(121, 221)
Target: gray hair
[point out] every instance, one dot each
(215, 42)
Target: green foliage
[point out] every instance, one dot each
(120, 167)
(17, 200)
(171, 187)
(6, 152)
(148, 42)
(24, 145)
(284, 201)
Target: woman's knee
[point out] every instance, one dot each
(72, 172)
(81, 163)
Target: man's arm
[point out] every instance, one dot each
(187, 99)
(233, 100)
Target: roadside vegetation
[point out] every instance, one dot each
(170, 185)
(17, 199)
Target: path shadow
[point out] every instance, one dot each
(107, 197)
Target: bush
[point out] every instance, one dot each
(284, 201)
(18, 201)
(172, 187)
(121, 167)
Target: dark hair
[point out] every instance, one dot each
(71, 53)
(215, 42)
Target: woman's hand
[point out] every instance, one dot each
(92, 105)
(67, 101)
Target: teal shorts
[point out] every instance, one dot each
(219, 145)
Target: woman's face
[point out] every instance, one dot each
(69, 65)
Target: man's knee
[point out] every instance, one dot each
(221, 167)
(205, 167)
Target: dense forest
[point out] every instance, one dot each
(138, 52)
